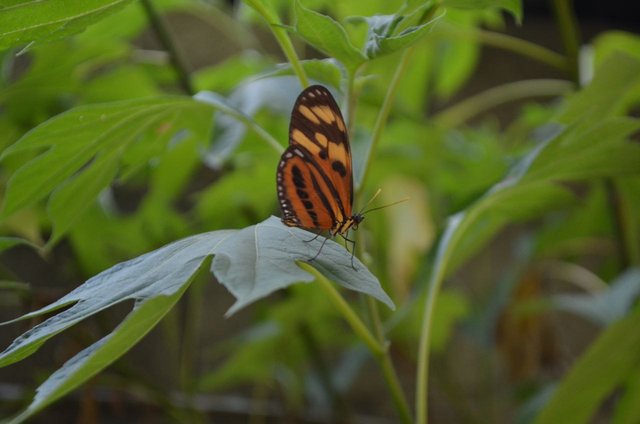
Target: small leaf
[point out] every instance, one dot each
(380, 35)
(328, 36)
(40, 21)
(604, 366)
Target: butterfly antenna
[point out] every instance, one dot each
(370, 200)
(380, 207)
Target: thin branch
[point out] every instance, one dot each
(176, 59)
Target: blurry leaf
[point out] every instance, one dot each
(584, 150)
(616, 42)
(451, 307)
(605, 365)
(225, 76)
(455, 59)
(588, 149)
(87, 141)
(616, 78)
(9, 242)
(411, 230)
(30, 21)
(122, 83)
(328, 36)
(325, 71)
(235, 111)
(607, 307)
(512, 6)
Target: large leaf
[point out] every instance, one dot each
(83, 148)
(328, 36)
(37, 21)
(251, 263)
(604, 366)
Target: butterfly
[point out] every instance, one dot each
(315, 174)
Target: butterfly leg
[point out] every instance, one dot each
(353, 249)
(317, 235)
(320, 250)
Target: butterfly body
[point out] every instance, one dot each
(314, 177)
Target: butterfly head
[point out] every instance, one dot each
(356, 220)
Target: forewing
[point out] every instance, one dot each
(317, 125)
(306, 199)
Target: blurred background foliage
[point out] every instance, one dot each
(538, 316)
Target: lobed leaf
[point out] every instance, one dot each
(251, 263)
(83, 148)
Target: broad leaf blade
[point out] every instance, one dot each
(261, 259)
(40, 21)
(162, 272)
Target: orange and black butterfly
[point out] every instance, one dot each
(314, 178)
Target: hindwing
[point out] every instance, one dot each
(314, 178)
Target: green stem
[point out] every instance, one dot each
(343, 307)
(509, 43)
(388, 370)
(623, 225)
(282, 37)
(166, 40)
(455, 229)
(464, 110)
(378, 348)
(567, 23)
(381, 119)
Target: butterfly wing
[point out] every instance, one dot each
(318, 158)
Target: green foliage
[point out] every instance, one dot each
(30, 22)
(103, 160)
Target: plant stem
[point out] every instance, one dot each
(379, 349)
(509, 43)
(384, 361)
(467, 108)
(563, 10)
(343, 307)
(177, 61)
(282, 37)
(381, 119)
(623, 225)
(456, 227)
